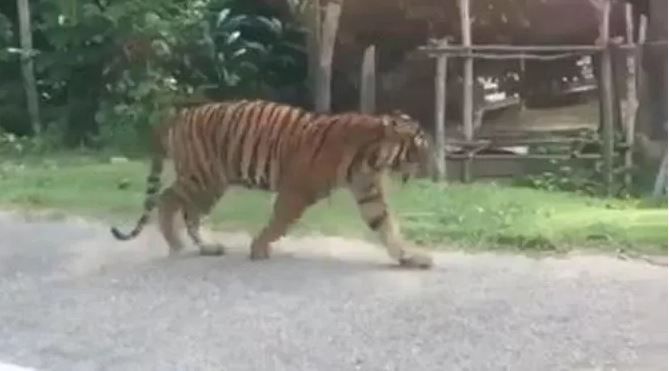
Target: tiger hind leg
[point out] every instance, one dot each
(369, 195)
(288, 208)
(193, 219)
(170, 204)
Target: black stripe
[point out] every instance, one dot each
(231, 134)
(262, 130)
(375, 196)
(196, 151)
(285, 124)
(376, 222)
(324, 135)
(401, 154)
(251, 118)
(231, 123)
(373, 159)
(355, 161)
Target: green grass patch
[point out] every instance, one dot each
(472, 216)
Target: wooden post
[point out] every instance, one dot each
(661, 179)
(468, 87)
(606, 94)
(368, 81)
(632, 100)
(523, 69)
(440, 114)
(643, 32)
(312, 20)
(27, 68)
(327, 44)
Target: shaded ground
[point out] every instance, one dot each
(73, 299)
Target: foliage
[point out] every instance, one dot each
(235, 54)
(108, 69)
(14, 146)
(563, 176)
(573, 175)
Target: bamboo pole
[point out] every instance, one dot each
(327, 44)
(440, 115)
(27, 66)
(368, 81)
(468, 84)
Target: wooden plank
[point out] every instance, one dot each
(440, 115)
(607, 96)
(27, 65)
(468, 83)
(368, 81)
(327, 44)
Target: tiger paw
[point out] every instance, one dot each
(212, 250)
(258, 253)
(175, 249)
(416, 260)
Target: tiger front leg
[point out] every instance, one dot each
(373, 209)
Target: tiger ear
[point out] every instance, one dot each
(385, 121)
(401, 114)
(388, 126)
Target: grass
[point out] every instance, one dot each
(467, 216)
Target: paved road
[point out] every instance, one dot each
(73, 299)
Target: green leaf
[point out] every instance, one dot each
(222, 16)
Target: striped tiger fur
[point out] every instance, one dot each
(299, 155)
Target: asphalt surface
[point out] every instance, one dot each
(73, 299)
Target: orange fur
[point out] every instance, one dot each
(302, 156)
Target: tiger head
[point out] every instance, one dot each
(414, 144)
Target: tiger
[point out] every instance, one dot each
(299, 155)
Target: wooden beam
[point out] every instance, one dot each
(607, 96)
(440, 115)
(327, 44)
(532, 156)
(368, 81)
(27, 67)
(506, 48)
(468, 83)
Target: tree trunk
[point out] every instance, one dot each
(327, 44)
(312, 20)
(368, 81)
(27, 68)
